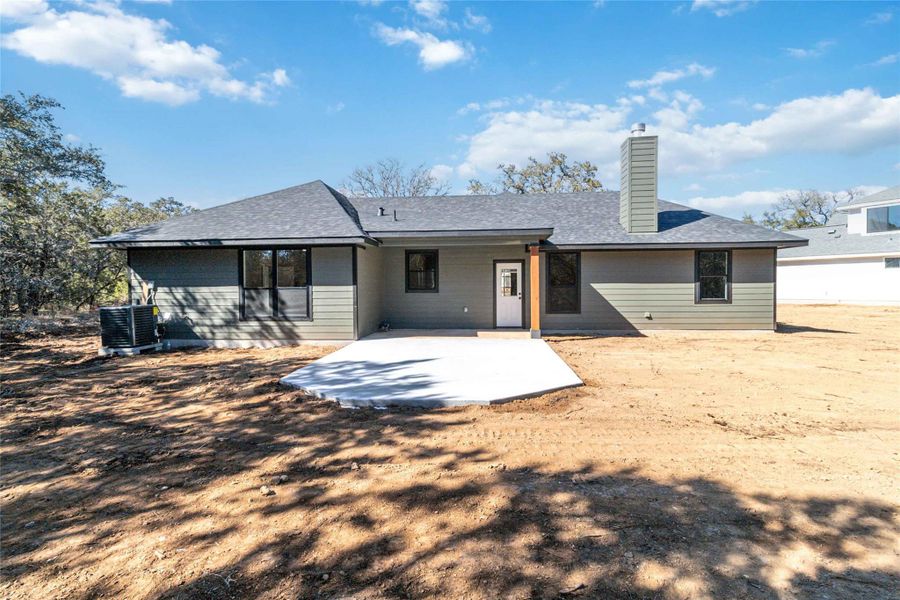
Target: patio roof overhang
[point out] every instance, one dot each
(464, 237)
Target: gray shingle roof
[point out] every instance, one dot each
(309, 211)
(892, 193)
(833, 240)
(581, 218)
(314, 211)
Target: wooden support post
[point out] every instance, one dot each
(535, 276)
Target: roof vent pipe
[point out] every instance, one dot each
(380, 211)
(638, 129)
(395, 215)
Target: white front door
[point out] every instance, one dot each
(508, 293)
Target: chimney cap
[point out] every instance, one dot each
(638, 128)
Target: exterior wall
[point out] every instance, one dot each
(199, 287)
(618, 287)
(856, 221)
(370, 279)
(465, 297)
(838, 281)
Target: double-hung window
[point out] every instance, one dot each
(275, 283)
(713, 276)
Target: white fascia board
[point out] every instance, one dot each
(839, 256)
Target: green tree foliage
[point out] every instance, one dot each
(55, 199)
(555, 174)
(798, 210)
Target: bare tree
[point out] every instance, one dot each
(553, 175)
(389, 177)
(804, 208)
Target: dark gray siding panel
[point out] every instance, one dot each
(466, 296)
(618, 288)
(200, 289)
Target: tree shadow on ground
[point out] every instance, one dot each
(139, 477)
(787, 328)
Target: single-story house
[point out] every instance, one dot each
(309, 263)
(854, 259)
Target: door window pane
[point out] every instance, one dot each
(257, 268)
(509, 282)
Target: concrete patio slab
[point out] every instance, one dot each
(424, 371)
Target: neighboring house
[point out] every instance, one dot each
(855, 259)
(308, 263)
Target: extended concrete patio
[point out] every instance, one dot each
(435, 368)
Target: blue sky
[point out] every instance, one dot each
(210, 101)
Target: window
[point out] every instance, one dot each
(892, 263)
(882, 219)
(713, 276)
(275, 283)
(563, 282)
(421, 270)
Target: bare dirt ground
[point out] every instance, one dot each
(719, 465)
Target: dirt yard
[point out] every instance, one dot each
(695, 465)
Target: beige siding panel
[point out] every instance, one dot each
(618, 288)
(199, 287)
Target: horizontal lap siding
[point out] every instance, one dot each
(369, 277)
(465, 279)
(200, 289)
(617, 288)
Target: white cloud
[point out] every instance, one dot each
(722, 8)
(133, 51)
(478, 22)
(16, 10)
(816, 51)
(887, 60)
(880, 18)
(433, 52)
(758, 200)
(694, 187)
(166, 92)
(333, 109)
(856, 121)
(71, 138)
(442, 172)
(280, 78)
(489, 106)
(663, 77)
(432, 11)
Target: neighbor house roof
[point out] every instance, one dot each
(892, 193)
(833, 240)
(312, 213)
(315, 213)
